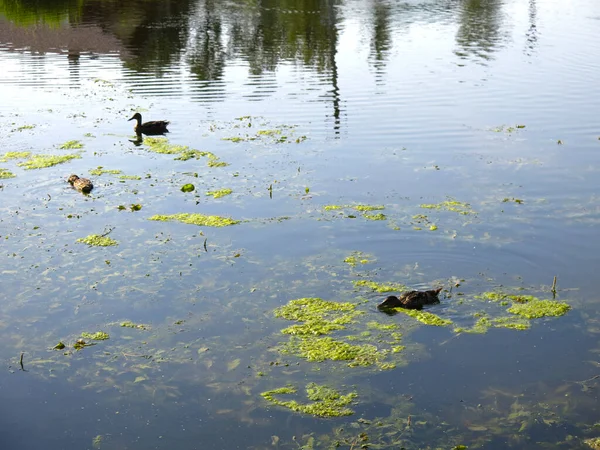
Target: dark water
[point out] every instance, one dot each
(386, 103)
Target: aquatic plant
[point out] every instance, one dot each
(101, 170)
(97, 336)
(43, 161)
(219, 193)
(450, 205)
(357, 258)
(5, 173)
(71, 145)
(425, 317)
(96, 240)
(380, 287)
(326, 402)
(197, 219)
(14, 155)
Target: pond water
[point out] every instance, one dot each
(361, 148)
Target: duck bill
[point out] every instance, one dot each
(131, 119)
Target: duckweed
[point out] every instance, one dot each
(43, 161)
(333, 207)
(365, 208)
(451, 205)
(71, 145)
(5, 173)
(326, 402)
(96, 240)
(380, 287)
(425, 317)
(162, 146)
(197, 219)
(219, 193)
(129, 177)
(319, 349)
(381, 326)
(97, 336)
(14, 155)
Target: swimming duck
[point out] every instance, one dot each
(150, 128)
(81, 184)
(411, 300)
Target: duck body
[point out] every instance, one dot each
(411, 300)
(81, 184)
(150, 128)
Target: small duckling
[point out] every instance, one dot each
(81, 184)
(411, 300)
(150, 128)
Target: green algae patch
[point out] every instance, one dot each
(101, 170)
(219, 193)
(97, 336)
(318, 316)
(382, 327)
(379, 216)
(534, 309)
(197, 219)
(325, 401)
(528, 306)
(129, 324)
(162, 146)
(319, 349)
(425, 317)
(333, 207)
(96, 240)
(14, 155)
(380, 287)
(366, 208)
(71, 145)
(43, 161)
(511, 322)
(450, 205)
(5, 173)
(129, 177)
(357, 258)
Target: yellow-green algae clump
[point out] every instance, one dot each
(71, 145)
(97, 240)
(380, 287)
(326, 402)
(14, 155)
(161, 145)
(484, 323)
(321, 317)
(357, 258)
(450, 205)
(197, 219)
(425, 317)
(101, 170)
(528, 306)
(97, 336)
(5, 173)
(43, 161)
(219, 193)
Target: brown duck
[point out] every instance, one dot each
(81, 184)
(150, 128)
(411, 300)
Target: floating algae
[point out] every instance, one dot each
(5, 173)
(197, 219)
(97, 240)
(219, 193)
(528, 306)
(357, 258)
(162, 146)
(43, 161)
(101, 170)
(97, 336)
(374, 216)
(71, 145)
(321, 317)
(14, 155)
(425, 317)
(451, 205)
(380, 287)
(326, 402)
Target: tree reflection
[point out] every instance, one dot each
(479, 30)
